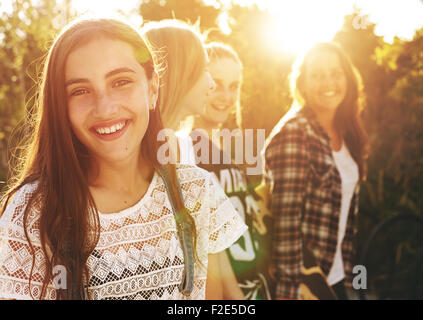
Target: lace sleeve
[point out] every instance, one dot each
(226, 225)
(16, 257)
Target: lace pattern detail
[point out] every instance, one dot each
(138, 255)
(224, 228)
(16, 256)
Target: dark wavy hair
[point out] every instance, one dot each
(347, 119)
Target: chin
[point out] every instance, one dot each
(223, 119)
(115, 156)
(214, 121)
(222, 116)
(329, 106)
(218, 120)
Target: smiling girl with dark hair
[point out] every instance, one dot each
(314, 163)
(90, 197)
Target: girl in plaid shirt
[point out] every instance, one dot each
(314, 162)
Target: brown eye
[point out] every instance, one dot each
(218, 86)
(121, 83)
(234, 87)
(78, 92)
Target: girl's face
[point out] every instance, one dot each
(108, 98)
(227, 75)
(325, 81)
(195, 100)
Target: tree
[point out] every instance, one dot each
(265, 87)
(393, 78)
(24, 36)
(187, 10)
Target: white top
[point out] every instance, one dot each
(138, 255)
(348, 171)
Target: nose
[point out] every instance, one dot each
(226, 96)
(329, 81)
(229, 95)
(212, 84)
(105, 106)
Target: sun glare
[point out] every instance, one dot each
(126, 8)
(105, 7)
(293, 26)
(394, 18)
(298, 25)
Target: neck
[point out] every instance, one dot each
(326, 120)
(122, 176)
(208, 126)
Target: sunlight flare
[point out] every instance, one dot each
(297, 25)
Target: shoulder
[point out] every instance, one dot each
(191, 173)
(189, 177)
(13, 227)
(293, 129)
(294, 121)
(199, 185)
(194, 182)
(18, 202)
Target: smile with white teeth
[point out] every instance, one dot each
(112, 129)
(220, 107)
(329, 93)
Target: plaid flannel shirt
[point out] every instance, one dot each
(306, 200)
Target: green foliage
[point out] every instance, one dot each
(393, 77)
(265, 88)
(393, 81)
(24, 36)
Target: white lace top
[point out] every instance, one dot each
(138, 255)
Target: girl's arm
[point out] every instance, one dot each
(214, 290)
(287, 165)
(225, 227)
(231, 289)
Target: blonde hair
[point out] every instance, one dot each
(219, 50)
(179, 51)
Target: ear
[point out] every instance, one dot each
(153, 90)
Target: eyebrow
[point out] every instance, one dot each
(108, 75)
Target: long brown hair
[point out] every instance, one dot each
(347, 118)
(58, 161)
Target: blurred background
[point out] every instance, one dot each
(384, 40)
